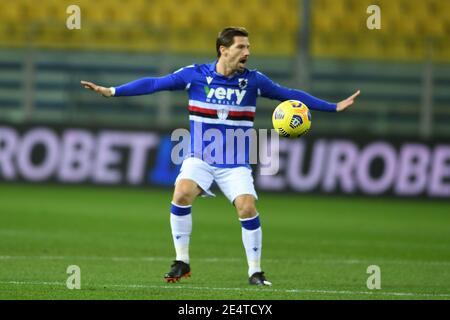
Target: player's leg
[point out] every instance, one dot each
(193, 180)
(251, 237)
(185, 192)
(237, 185)
(181, 224)
(251, 231)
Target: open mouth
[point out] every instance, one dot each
(243, 61)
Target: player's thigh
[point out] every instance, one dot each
(195, 178)
(235, 182)
(186, 190)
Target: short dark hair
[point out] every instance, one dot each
(226, 37)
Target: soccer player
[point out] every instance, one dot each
(222, 95)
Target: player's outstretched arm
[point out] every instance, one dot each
(179, 80)
(106, 92)
(344, 104)
(272, 90)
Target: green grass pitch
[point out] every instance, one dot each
(314, 247)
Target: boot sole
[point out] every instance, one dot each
(176, 279)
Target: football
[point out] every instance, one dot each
(291, 119)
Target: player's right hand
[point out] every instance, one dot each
(106, 92)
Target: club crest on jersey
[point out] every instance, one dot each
(243, 83)
(222, 114)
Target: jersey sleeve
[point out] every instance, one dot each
(179, 80)
(269, 89)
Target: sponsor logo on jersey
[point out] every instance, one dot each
(221, 93)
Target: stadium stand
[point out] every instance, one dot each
(408, 30)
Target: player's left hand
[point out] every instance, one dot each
(344, 104)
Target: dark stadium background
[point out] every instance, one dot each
(390, 207)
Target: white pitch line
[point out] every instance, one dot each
(234, 259)
(289, 290)
(339, 292)
(119, 259)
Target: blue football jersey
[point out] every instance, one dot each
(220, 106)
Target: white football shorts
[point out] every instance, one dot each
(233, 182)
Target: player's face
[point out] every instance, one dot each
(237, 54)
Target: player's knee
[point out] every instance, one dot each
(183, 197)
(185, 193)
(246, 209)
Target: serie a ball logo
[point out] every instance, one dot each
(291, 119)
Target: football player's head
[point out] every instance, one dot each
(233, 47)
